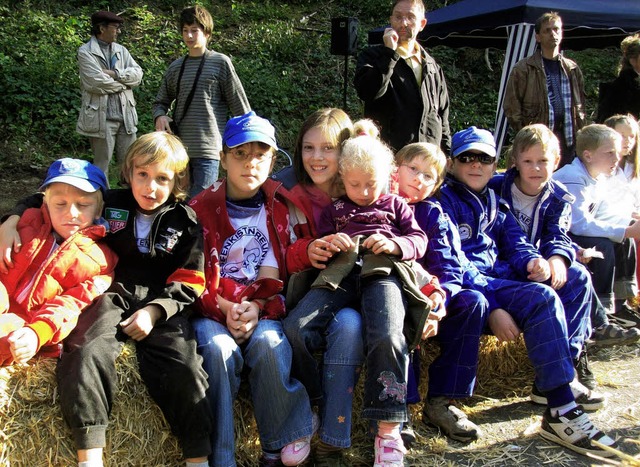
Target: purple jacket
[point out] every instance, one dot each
(389, 215)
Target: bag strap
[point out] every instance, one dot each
(193, 88)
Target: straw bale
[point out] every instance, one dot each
(33, 433)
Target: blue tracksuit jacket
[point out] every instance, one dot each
(549, 232)
(453, 373)
(498, 253)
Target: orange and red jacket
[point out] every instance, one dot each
(61, 283)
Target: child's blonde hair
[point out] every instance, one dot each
(159, 147)
(97, 194)
(634, 155)
(591, 137)
(430, 153)
(369, 154)
(530, 136)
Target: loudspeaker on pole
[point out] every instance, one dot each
(344, 36)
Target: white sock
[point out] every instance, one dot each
(94, 463)
(563, 409)
(198, 464)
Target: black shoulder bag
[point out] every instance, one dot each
(175, 127)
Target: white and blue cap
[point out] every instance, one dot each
(249, 128)
(76, 172)
(473, 138)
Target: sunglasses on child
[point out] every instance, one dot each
(468, 157)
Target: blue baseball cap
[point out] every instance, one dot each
(76, 172)
(249, 128)
(473, 138)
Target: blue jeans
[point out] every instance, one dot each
(280, 403)
(383, 310)
(342, 360)
(203, 172)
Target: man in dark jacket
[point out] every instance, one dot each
(403, 89)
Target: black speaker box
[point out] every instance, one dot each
(344, 36)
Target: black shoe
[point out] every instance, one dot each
(408, 435)
(452, 421)
(626, 316)
(613, 334)
(575, 431)
(583, 371)
(268, 462)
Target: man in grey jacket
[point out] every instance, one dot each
(108, 74)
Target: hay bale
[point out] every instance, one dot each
(33, 433)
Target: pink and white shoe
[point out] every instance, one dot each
(296, 453)
(389, 452)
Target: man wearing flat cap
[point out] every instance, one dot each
(108, 75)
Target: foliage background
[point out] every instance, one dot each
(280, 51)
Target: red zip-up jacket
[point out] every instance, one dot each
(58, 285)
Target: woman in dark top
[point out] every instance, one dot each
(622, 95)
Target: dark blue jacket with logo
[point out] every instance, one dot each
(490, 235)
(551, 216)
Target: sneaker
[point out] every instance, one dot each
(452, 421)
(625, 323)
(613, 334)
(583, 371)
(585, 397)
(408, 435)
(269, 461)
(332, 459)
(627, 316)
(388, 452)
(575, 431)
(296, 453)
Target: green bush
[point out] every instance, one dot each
(280, 51)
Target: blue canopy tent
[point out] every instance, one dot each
(509, 25)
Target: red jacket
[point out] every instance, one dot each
(59, 284)
(289, 245)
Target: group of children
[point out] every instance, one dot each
(400, 248)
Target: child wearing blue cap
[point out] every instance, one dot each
(159, 275)
(250, 249)
(499, 261)
(61, 266)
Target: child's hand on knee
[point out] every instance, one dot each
(558, 269)
(23, 344)
(503, 326)
(538, 270)
(139, 325)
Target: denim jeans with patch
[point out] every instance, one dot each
(382, 306)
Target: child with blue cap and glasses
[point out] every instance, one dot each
(499, 261)
(251, 248)
(61, 266)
